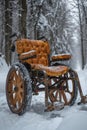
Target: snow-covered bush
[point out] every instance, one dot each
(3, 64)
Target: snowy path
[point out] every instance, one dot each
(70, 118)
(37, 119)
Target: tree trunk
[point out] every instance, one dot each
(2, 31)
(23, 18)
(8, 30)
(81, 35)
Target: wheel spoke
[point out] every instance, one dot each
(56, 94)
(15, 76)
(11, 98)
(64, 96)
(20, 84)
(19, 101)
(14, 82)
(60, 99)
(19, 79)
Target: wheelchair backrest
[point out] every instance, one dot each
(42, 50)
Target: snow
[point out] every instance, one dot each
(69, 118)
(3, 72)
(76, 121)
(29, 52)
(43, 21)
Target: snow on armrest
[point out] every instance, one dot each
(61, 57)
(27, 55)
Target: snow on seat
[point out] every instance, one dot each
(61, 57)
(26, 55)
(52, 70)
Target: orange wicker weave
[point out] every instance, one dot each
(41, 47)
(42, 50)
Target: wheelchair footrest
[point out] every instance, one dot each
(83, 100)
(55, 106)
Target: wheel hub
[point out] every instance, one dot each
(16, 89)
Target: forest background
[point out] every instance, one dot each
(62, 22)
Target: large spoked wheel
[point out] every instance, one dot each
(67, 91)
(18, 89)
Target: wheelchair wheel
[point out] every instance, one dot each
(67, 91)
(18, 89)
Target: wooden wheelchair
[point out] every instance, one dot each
(36, 71)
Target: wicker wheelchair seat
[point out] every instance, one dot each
(29, 48)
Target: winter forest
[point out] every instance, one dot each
(62, 22)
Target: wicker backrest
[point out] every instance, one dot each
(42, 50)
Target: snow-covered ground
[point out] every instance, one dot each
(69, 118)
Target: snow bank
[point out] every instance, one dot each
(3, 73)
(32, 121)
(75, 121)
(83, 80)
(3, 65)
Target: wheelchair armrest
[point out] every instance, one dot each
(27, 55)
(60, 57)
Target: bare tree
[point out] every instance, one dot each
(84, 25)
(23, 18)
(8, 29)
(81, 32)
(2, 30)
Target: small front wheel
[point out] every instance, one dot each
(18, 89)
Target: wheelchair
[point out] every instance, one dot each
(36, 71)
